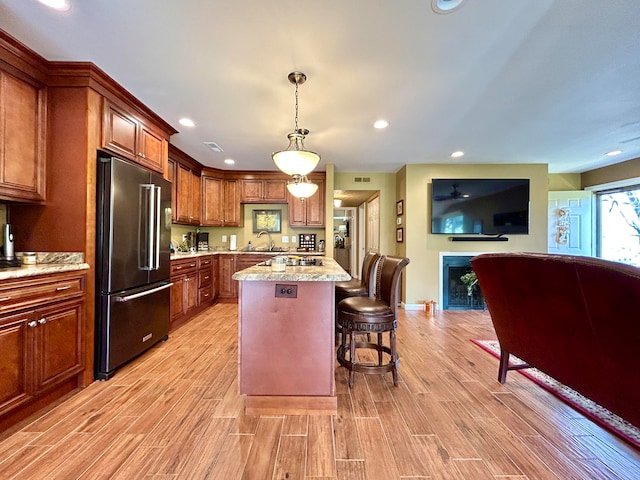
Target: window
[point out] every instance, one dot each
(618, 224)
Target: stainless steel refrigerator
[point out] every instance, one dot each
(132, 262)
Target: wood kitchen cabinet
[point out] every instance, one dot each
(186, 187)
(221, 205)
(184, 291)
(310, 212)
(23, 111)
(227, 287)
(42, 341)
(125, 134)
(206, 280)
(256, 190)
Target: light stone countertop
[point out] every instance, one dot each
(48, 263)
(177, 256)
(330, 271)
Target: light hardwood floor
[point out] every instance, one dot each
(175, 413)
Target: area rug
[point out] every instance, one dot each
(589, 408)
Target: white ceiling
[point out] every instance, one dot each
(513, 81)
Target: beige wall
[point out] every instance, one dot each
(564, 182)
(612, 173)
(423, 248)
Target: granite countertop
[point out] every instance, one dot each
(330, 271)
(177, 256)
(47, 263)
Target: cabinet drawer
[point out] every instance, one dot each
(30, 293)
(187, 265)
(205, 294)
(205, 261)
(204, 278)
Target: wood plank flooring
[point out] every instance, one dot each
(175, 413)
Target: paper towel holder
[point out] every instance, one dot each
(233, 242)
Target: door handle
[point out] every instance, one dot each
(126, 298)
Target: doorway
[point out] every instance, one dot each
(355, 204)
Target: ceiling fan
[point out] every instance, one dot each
(453, 195)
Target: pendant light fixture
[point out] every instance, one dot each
(295, 160)
(301, 187)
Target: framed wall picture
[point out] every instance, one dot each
(267, 220)
(399, 235)
(399, 207)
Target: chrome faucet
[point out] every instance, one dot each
(271, 244)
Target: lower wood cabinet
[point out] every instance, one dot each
(42, 330)
(194, 286)
(227, 286)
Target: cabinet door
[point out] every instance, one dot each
(191, 291)
(59, 343)
(212, 202)
(152, 149)
(227, 286)
(232, 206)
(119, 131)
(177, 297)
(315, 207)
(297, 212)
(194, 196)
(22, 139)
(184, 202)
(275, 191)
(251, 190)
(171, 176)
(14, 361)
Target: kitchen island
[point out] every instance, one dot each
(286, 338)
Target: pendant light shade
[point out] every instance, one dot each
(301, 187)
(295, 159)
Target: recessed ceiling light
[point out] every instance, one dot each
(457, 154)
(613, 153)
(60, 5)
(445, 6)
(381, 124)
(186, 122)
(229, 161)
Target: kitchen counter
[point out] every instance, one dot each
(175, 256)
(330, 271)
(286, 324)
(48, 263)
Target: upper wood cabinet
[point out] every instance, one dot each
(310, 212)
(232, 208)
(185, 178)
(22, 139)
(188, 195)
(124, 134)
(256, 190)
(212, 201)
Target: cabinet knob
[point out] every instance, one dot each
(42, 321)
(33, 324)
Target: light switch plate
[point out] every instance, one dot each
(285, 239)
(224, 239)
(293, 239)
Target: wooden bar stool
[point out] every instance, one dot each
(377, 314)
(357, 287)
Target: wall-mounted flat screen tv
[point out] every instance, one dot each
(489, 206)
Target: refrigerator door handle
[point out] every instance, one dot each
(126, 298)
(147, 221)
(157, 219)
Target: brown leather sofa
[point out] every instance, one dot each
(576, 319)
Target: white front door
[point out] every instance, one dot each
(570, 216)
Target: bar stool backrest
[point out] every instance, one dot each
(388, 276)
(367, 277)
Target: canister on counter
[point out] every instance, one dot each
(29, 258)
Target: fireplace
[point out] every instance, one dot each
(456, 294)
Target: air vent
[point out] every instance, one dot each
(361, 179)
(214, 146)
